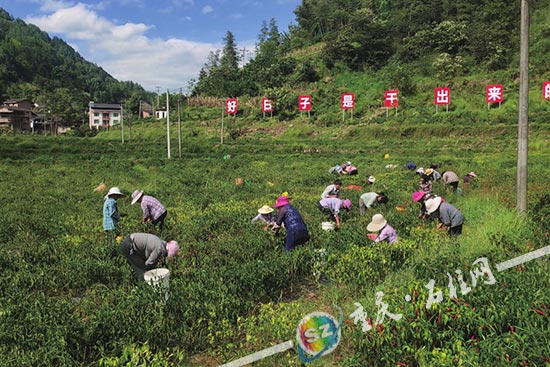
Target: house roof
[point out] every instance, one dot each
(104, 106)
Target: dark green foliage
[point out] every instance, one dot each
(51, 73)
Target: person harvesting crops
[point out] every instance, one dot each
(332, 191)
(385, 231)
(332, 207)
(450, 218)
(451, 179)
(296, 229)
(111, 215)
(144, 250)
(265, 215)
(369, 199)
(153, 210)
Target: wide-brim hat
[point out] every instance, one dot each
(266, 209)
(473, 174)
(281, 201)
(432, 204)
(429, 171)
(420, 170)
(417, 196)
(371, 179)
(114, 191)
(378, 222)
(136, 195)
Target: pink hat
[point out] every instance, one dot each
(281, 201)
(347, 203)
(417, 196)
(172, 248)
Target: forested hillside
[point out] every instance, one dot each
(50, 72)
(401, 44)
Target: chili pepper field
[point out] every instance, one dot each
(68, 298)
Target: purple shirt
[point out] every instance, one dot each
(152, 208)
(387, 234)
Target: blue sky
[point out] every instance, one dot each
(156, 43)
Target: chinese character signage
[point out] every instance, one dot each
(231, 106)
(390, 98)
(348, 101)
(546, 90)
(494, 93)
(267, 105)
(442, 96)
(304, 103)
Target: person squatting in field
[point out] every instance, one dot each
(296, 229)
(144, 250)
(332, 207)
(153, 210)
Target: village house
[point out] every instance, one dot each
(104, 115)
(16, 115)
(161, 113)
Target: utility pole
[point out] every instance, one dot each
(244, 55)
(158, 100)
(523, 123)
(179, 124)
(168, 122)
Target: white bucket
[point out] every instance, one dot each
(159, 278)
(327, 226)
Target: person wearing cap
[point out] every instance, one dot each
(451, 179)
(385, 231)
(369, 199)
(144, 250)
(332, 207)
(111, 215)
(265, 214)
(296, 229)
(469, 177)
(332, 191)
(450, 218)
(153, 210)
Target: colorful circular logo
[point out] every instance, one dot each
(317, 334)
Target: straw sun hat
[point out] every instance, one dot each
(432, 204)
(378, 222)
(113, 191)
(136, 195)
(266, 209)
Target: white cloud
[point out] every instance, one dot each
(207, 9)
(125, 51)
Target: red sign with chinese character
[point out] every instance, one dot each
(546, 90)
(442, 96)
(304, 103)
(267, 105)
(231, 106)
(494, 93)
(348, 101)
(390, 98)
